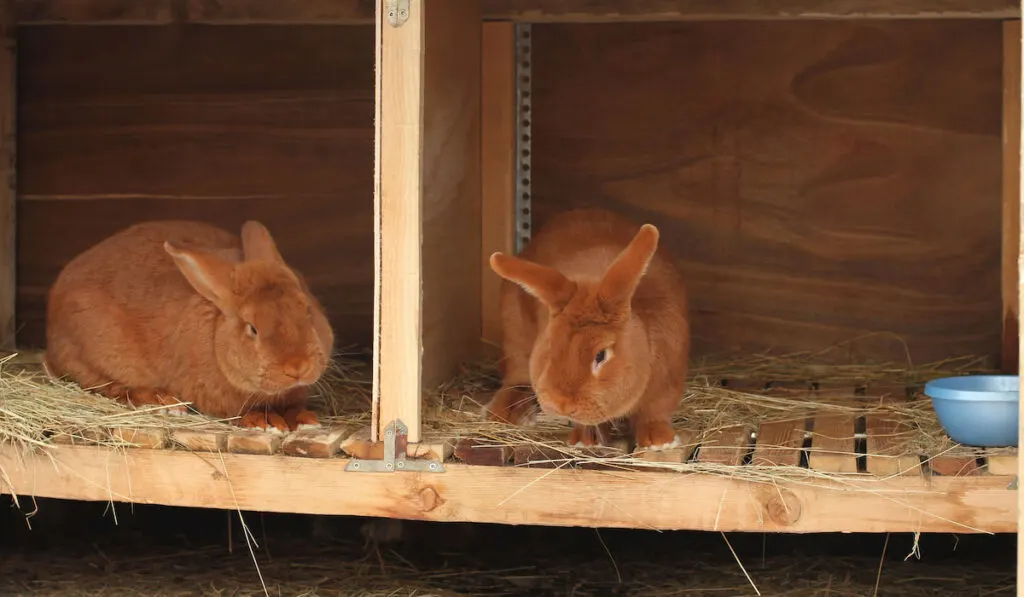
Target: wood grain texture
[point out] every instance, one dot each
(591, 11)
(886, 447)
(818, 181)
(8, 175)
(497, 166)
(220, 125)
(832, 444)
(451, 188)
(398, 206)
(36, 12)
(513, 495)
(779, 443)
(1011, 195)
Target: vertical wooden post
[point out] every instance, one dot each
(427, 202)
(1013, 55)
(398, 190)
(1011, 189)
(498, 160)
(8, 183)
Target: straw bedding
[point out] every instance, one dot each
(34, 408)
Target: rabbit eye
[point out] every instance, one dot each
(250, 329)
(600, 356)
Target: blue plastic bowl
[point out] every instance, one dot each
(977, 410)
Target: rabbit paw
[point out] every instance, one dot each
(300, 418)
(270, 422)
(513, 406)
(585, 436)
(655, 436)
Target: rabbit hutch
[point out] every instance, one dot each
(839, 182)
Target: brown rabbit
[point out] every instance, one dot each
(180, 309)
(594, 318)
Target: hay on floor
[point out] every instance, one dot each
(35, 409)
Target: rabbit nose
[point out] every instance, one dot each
(294, 368)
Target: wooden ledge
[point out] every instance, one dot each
(355, 12)
(507, 495)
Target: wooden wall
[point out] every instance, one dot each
(818, 180)
(122, 124)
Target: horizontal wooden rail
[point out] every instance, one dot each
(348, 12)
(512, 495)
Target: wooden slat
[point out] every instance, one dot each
(210, 439)
(315, 443)
(886, 448)
(142, 437)
(589, 458)
(1002, 464)
(594, 11)
(335, 12)
(254, 442)
(511, 495)
(451, 273)
(8, 175)
(497, 165)
(779, 443)
(885, 393)
(955, 466)
(1011, 194)
(832, 444)
(726, 446)
(482, 453)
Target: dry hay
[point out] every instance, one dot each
(454, 410)
(34, 408)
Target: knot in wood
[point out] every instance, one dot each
(429, 499)
(783, 507)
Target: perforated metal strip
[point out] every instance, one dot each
(524, 135)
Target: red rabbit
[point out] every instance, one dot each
(170, 310)
(594, 319)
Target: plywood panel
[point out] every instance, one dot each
(129, 123)
(819, 181)
(451, 187)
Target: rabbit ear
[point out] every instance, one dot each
(621, 279)
(210, 276)
(545, 283)
(257, 244)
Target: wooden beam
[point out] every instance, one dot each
(1011, 193)
(8, 175)
(596, 11)
(497, 167)
(207, 12)
(398, 214)
(1020, 298)
(347, 12)
(1020, 346)
(450, 216)
(510, 495)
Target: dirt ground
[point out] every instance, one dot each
(78, 550)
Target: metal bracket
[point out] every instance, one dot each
(524, 136)
(1014, 484)
(394, 458)
(398, 12)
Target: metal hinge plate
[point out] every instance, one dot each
(394, 458)
(397, 12)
